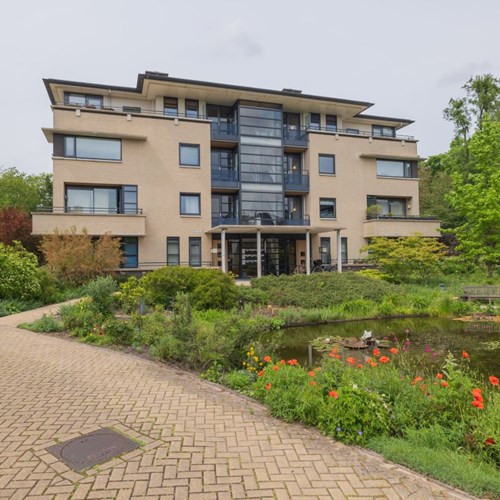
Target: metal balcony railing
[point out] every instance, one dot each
(90, 210)
(224, 178)
(297, 181)
(400, 217)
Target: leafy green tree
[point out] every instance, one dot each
(475, 196)
(411, 259)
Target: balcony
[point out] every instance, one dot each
(298, 182)
(222, 220)
(296, 138)
(96, 221)
(397, 226)
(258, 219)
(224, 131)
(225, 178)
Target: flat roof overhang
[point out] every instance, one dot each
(269, 229)
(392, 157)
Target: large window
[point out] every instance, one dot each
(87, 100)
(191, 108)
(325, 251)
(396, 168)
(327, 208)
(386, 207)
(170, 106)
(381, 131)
(173, 251)
(190, 204)
(92, 148)
(130, 249)
(195, 252)
(102, 200)
(327, 164)
(189, 155)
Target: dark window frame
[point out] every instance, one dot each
(174, 259)
(380, 131)
(198, 195)
(315, 121)
(75, 154)
(189, 146)
(333, 165)
(172, 99)
(334, 203)
(193, 108)
(331, 123)
(354, 131)
(410, 169)
(192, 241)
(126, 256)
(87, 97)
(131, 109)
(326, 257)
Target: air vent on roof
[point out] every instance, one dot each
(156, 73)
(291, 91)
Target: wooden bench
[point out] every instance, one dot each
(481, 292)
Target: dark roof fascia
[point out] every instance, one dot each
(386, 118)
(158, 77)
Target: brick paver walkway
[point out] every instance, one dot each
(199, 441)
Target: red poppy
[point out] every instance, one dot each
(478, 397)
(444, 383)
(384, 359)
(360, 366)
(260, 373)
(333, 394)
(350, 360)
(393, 350)
(369, 360)
(493, 380)
(312, 382)
(376, 352)
(312, 373)
(292, 362)
(417, 379)
(465, 355)
(373, 364)
(268, 386)
(276, 367)
(439, 375)
(267, 359)
(478, 404)
(489, 442)
(476, 392)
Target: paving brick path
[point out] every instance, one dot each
(199, 441)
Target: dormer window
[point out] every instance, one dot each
(84, 100)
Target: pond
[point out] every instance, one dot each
(430, 338)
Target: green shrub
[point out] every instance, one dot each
(49, 289)
(167, 347)
(240, 380)
(47, 323)
(252, 295)
(101, 292)
(120, 331)
(131, 295)
(79, 318)
(14, 306)
(152, 326)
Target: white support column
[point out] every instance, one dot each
(308, 252)
(223, 250)
(259, 255)
(339, 251)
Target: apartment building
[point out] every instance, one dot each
(251, 180)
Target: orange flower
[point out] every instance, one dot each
(360, 366)
(350, 360)
(373, 364)
(292, 362)
(317, 369)
(282, 362)
(312, 373)
(465, 355)
(260, 373)
(493, 380)
(268, 386)
(333, 394)
(368, 360)
(267, 359)
(444, 383)
(478, 404)
(476, 393)
(338, 356)
(384, 359)
(489, 442)
(332, 354)
(417, 379)
(334, 350)
(312, 382)
(376, 352)
(439, 375)
(393, 350)
(276, 367)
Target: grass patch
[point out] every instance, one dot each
(452, 467)
(47, 323)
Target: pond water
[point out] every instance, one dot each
(429, 338)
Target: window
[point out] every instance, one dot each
(327, 209)
(92, 148)
(130, 249)
(195, 252)
(354, 131)
(190, 204)
(191, 108)
(101, 200)
(131, 109)
(325, 251)
(129, 203)
(380, 131)
(173, 251)
(315, 121)
(386, 207)
(170, 106)
(89, 101)
(331, 123)
(397, 168)
(189, 155)
(327, 164)
(343, 250)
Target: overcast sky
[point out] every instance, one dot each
(407, 57)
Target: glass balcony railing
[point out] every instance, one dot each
(295, 137)
(224, 178)
(297, 181)
(223, 131)
(259, 219)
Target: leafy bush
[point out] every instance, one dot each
(50, 292)
(131, 295)
(167, 347)
(19, 277)
(121, 332)
(151, 327)
(79, 318)
(101, 292)
(47, 323)
(239, 380)
(14, 306)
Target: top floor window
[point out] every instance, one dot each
(397, 168)
(191, 108)
(315, 121)
(87, 100)
(331, 123)
(380, 131)
(92, 148)
(170, 106)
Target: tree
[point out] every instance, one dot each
(15, 225)
(24, 191)
(76, 258)
(475, 195)
(412, 259)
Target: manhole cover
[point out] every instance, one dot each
(92, 449)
